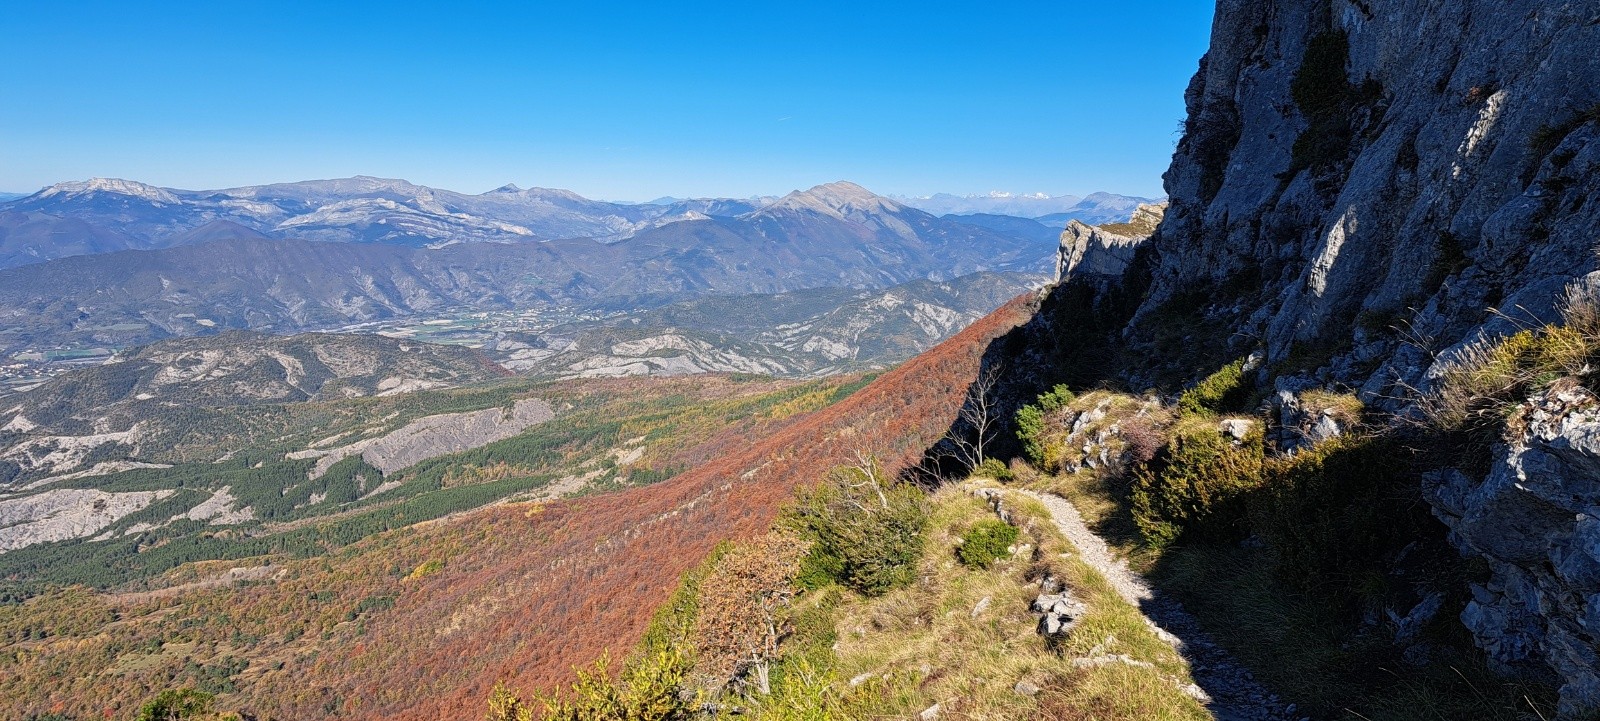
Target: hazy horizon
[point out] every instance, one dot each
(997, 193)
(625, 103)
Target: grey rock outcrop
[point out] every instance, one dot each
(1105, 250)
(1536, 520)
(1058, 613)
(66, 513)
(1359, 186)
(1450, 175)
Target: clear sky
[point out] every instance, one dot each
(623, 101)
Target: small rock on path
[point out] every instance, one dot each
(1234, 692)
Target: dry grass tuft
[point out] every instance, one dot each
(1481, 387)
(926, 640)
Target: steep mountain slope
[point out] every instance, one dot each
(419, 623)
(1369, 198)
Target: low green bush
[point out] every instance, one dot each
(1332, 512)
(867, 531)
(1030, 431)
(985, 543)
(996, 469)
(1032, 425)
(185, 704)
(1056, 398)
(1196, 484)
(1222, 391)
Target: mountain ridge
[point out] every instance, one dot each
(369, 209)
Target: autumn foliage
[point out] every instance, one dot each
(522, 593)
(741, 614)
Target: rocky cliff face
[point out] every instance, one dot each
(1105, 250)
(1362, 189)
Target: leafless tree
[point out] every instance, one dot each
(978, 420)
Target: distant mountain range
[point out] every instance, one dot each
(1055, 211)
(106, 214)
(222, 275)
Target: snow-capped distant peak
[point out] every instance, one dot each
(111, 185)
(507, 188)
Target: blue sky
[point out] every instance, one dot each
(613, 100)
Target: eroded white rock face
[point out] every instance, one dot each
(220, 509)
(64, 514)
(435, 435)
(61, 454)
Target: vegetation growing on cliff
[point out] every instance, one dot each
(1334, 108)
(1288, 556)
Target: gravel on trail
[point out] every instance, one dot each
(1234, 692)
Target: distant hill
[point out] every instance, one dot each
(239, 368)
(1093, 208)
(804, 333)
(1011, 225)
(835, 235)
(31, 237)
(349, 210)
(360, 209)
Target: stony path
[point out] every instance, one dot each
(1234, 692)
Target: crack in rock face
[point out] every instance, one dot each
(1536, 520)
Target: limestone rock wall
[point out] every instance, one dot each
(1362, 188)
(1105, 250)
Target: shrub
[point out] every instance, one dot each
(1220, 392)
(1320, 84)
(868, 529)
(742, 604)
(1056, 398)
(985, 543)
(184, 704)
(994, 468)
(1330, 103)
(819, 568)
(425, 569)
(1032, 426)
(1030, 431)
(1143, 440)
(652, 687)
(1196, 484)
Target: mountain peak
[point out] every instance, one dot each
(507, 188)
(116, 186)
(837, 198)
